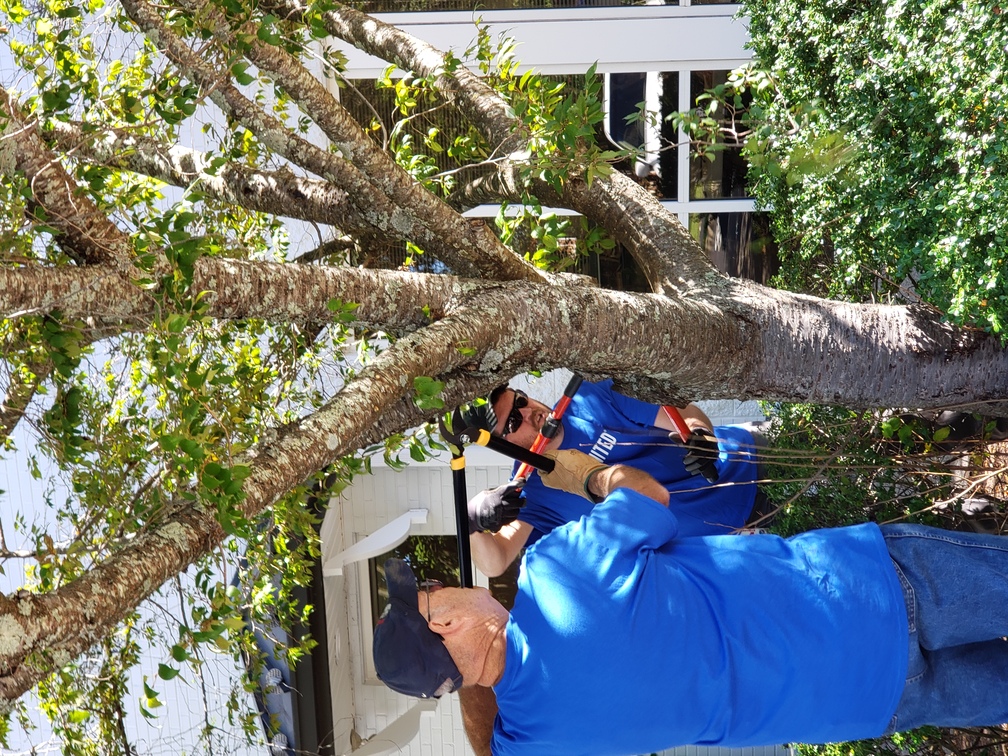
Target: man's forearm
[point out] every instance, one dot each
(696, 417)
(493, 553)
(479, 708)
(606, 480)
(487, 554)
(692, 415)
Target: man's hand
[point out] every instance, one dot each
(572, 471)
(702, 452)
(491, 510)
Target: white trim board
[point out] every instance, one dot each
(569, 40)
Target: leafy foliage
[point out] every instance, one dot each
(138, 419)
(878, 140)
(147, 417)
(832, 467)
(561, 116)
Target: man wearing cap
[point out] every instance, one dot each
(627, 637)
(614, 429)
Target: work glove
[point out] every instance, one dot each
(701, 454)
(493, 509)
(571, 473)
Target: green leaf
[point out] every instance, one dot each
(77, 716)
(427, 392)
(417, 452)
(166, 672)
(240, 72)
(267, 31)
(169, 442)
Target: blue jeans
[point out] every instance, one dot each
(956, 590)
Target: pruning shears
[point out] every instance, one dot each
(551, 426)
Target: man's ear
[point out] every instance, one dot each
(444, 622)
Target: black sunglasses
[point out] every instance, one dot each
(514, 418)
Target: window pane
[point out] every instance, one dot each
(725, 175)
(739, 244)
(433, 558)
(668, 159)
(430, 557)
(626, 92)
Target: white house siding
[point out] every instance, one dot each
(374, 501)
(615, 39)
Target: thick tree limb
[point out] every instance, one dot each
(390, 300)
(770, 344)
(85, 233)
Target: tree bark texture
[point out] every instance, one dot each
(768, 344)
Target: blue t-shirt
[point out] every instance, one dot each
(626, 639)
(617, 429)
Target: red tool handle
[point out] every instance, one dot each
(552, 424)
(677, 420)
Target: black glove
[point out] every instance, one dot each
(701, 453)
(456, 431)
(491, 510)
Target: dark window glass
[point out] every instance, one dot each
(725, 175)
(626, 93)
(432, 558)
(668, 160)
(739, 244)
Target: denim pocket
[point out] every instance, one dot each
(908, 598)
(916, 665)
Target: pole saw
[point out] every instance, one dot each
(456, 434)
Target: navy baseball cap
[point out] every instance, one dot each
(409, 657)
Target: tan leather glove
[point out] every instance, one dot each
(573, 468)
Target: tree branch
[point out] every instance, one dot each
(20, 391)
(490, 258)
(85, 233)
(391, 220)
(669, 256)
(772, 344)
(277, 192)
(237, 289)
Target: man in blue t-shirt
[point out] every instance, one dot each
(615, 429)
(627, 637)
